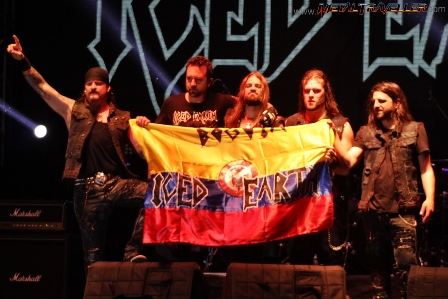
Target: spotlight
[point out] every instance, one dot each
(40, 131)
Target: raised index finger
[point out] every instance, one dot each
(16, 39)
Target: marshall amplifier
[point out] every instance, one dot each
(36, 215)
(41, 265)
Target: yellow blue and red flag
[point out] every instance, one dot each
(218, 186)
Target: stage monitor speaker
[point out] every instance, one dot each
(41, 266)
(284, 281)
(112, 280)
(427, 282)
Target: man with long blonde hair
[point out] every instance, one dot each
(252, 108)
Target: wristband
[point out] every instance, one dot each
(24, 64)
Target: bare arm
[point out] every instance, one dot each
(428, 182)
(347, 154)
(346, 141)
(59, 103)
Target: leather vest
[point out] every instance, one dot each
(299, 119)
(295, 119)
(402, 147)
(81, 125)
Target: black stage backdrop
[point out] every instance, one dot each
(144, 45)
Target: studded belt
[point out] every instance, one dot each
(100, 178)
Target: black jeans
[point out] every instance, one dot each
(93, 205)
(390, 247)
(328, 245)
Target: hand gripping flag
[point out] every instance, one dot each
(216, 187)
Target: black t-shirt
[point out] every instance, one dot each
(176, 111)
(99, 153)
(384, 189)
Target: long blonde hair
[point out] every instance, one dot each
(238, 111)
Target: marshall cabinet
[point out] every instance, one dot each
(39, 263)
(41, 266)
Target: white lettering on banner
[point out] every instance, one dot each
(240, 179)
(258, 36)
(18, 213)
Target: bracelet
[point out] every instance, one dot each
(24, 64)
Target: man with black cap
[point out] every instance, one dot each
(95, 160)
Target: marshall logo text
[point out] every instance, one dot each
(22, 278)
(18, 213)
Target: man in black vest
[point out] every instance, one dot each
(95, 160)
(317, 103)
(393, 146)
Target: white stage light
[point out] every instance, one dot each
(40, 131)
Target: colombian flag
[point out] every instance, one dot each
(218, 186)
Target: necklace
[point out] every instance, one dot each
(102, 116)
(248, 123)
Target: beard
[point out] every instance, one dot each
(94, 106)
(194, 93)
(386, 115)
(314, 108)
(252, 100)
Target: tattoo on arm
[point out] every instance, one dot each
(36, 81)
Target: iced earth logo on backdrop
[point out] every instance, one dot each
(258, 36)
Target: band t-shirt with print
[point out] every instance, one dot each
(176, 111)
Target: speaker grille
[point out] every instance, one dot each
(41, 266)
